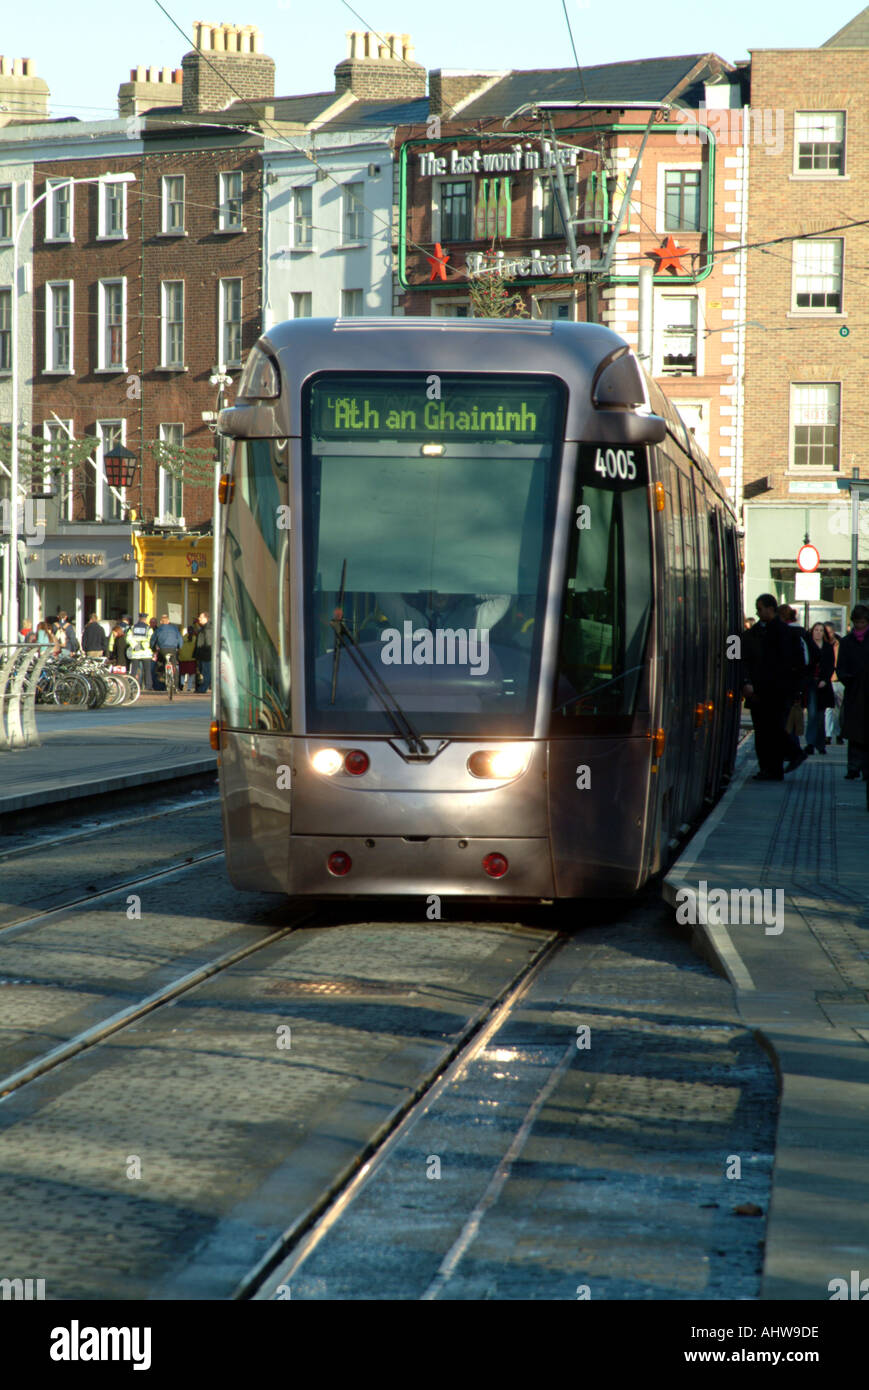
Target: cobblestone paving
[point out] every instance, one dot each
(620, 1189)
(116, 1167)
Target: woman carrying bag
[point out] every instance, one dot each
(822, 661)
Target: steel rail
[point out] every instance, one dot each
(299, 1241)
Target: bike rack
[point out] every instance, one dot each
(20, 669)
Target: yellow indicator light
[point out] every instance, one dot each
(225, 489)
(328, 761)
(432, 450)
(660, 497)
(214, 735)
(659, 739)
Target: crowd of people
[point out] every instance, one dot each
(139, 647)
(811, 683)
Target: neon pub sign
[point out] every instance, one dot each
(434, 409)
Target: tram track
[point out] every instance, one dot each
(123, 1018)
(270, 1276)
(96, 827)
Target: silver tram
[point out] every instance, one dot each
(477, 580)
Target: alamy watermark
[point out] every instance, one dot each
(31, 519)
(443, 647)
(761, 125)
(739, 907)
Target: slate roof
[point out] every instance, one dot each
(644, 80)
(855, 34)
(380, 113)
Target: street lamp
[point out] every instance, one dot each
(11, 610)
(120, 464)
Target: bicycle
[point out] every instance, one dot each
(169, 676)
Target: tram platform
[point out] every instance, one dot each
(87, 755)
(797, 956)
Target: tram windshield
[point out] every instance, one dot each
(428, 514)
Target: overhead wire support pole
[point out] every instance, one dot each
(564, 203)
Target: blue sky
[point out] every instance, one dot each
(85, 49)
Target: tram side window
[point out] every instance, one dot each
(254, 615)
(607, 605)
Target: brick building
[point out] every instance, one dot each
(479, 183)
(806, 410)
(139, 291)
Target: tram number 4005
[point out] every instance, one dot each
(616, 463)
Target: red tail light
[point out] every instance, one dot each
(356, 763)
(495, 865)
(339, 863)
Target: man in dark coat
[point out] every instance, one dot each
(93, 639)
(773, 673)
(852, 668)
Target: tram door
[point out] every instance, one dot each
(674, 647)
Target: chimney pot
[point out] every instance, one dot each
(166, 75)
(178, 75)
(257, 40)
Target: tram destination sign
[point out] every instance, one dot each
(434, 408)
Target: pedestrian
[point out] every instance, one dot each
(188, 659)
(139, 650)
(93, 639)
(821, 664)
(852, 667)
(66, 634)
(44, 634)
(203, 653)
(118, 649)
(832, 722)
(773, 669)
(154, 674)
(795, 723)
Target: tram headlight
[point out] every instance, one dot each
(509, 761)
(327, 761)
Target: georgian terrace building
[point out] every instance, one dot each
(476, 189)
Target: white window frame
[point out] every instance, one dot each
(454, 301)
(165, 229)
(225, 198)
(805, 469)
(51, 287)
(166, 480)
(295, 242)
(107, 189)
(5, 239)
(103, 365)
(296, 295)
(798, 271)
(51, 475)
(436, 196)
(354, 313)
(694, 167)
(103, 489)
(7, 289)
(660, 299)
(223, 353)
(53, 185)
(799, 173)
(164, 326)
(353, 214)
(543, 299)
(541, 178)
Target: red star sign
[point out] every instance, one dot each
(669, 255)
(438, 263)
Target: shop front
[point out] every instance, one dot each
(79, 573)
(174, 575)
(774, 533)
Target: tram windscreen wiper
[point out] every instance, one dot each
(402, 725)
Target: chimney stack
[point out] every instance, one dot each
(149, 89)
(380, 67)
(234, 67)
(23, 95)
